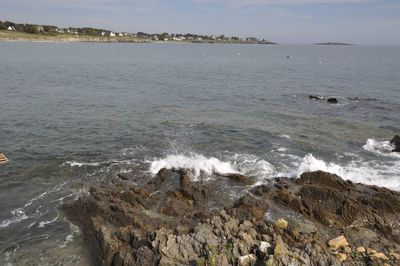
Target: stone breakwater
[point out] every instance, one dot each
(317, 219)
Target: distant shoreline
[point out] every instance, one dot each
(6, 35)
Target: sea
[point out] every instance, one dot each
(78, 114)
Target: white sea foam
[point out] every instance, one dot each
(376, 172)
(68, 238)
(44, 223)
(80, 164)
(204, 167)
(371, 173)
(100, 163)
(19, 214)
(16, 219)
(200, 164)
(383, 148)
(252, 165)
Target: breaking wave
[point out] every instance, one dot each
(203, 166)
(200, 164)
(383, 148)
(371, 173)
(385, 174)
(100, 163)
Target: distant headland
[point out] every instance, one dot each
(10, 31)
(333, 43)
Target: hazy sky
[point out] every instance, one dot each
(284, 21)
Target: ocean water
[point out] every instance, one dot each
(77, 114)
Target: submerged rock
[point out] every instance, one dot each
(172, 220)
(316, 97)
(237, 177)
(332, 100)
(323, 98)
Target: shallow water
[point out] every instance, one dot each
(75, 114)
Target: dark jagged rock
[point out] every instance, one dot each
(322, 98)
(173, 220)
(332, 100)
(396, 143)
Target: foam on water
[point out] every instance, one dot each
(371, 173)
(203, 166)
(100, 163)
(69, 238)
(20, 214)
(44, 223)
(254, 166)
(200, 164)
(383, 148)
(376, 172)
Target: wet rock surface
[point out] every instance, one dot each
(317, 219)
(396, 143)
(332, 100)
(323, 98)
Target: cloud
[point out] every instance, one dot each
(249, 3)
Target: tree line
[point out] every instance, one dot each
(34, 28)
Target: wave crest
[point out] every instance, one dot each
(370, 173)
(200, 164)
(383, 148)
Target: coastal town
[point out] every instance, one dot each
(10, 30)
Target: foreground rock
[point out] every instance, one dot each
(318, 219)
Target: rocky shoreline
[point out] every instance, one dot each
(317, 219)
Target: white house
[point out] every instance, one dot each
(103, 33)
(11, 28)
(112, 34)
(120, 34)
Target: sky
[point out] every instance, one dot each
(282, 21)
